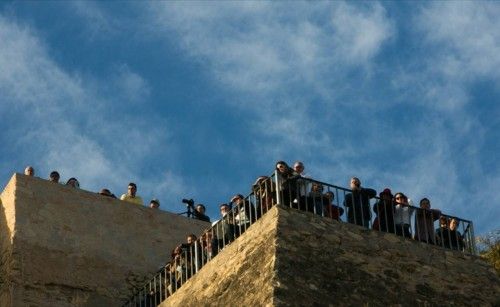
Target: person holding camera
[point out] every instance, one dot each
(199, 213)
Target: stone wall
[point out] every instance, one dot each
(68, 247)
(241, 275)
(310, 261)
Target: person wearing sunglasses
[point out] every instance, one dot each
(402, 215)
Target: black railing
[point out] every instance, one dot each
(361, 207)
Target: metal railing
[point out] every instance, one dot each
(362, 208)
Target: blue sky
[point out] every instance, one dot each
(197, 99)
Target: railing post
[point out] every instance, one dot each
(196, 256)
(277, 180)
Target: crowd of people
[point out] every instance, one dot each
(295, 188)
(392, 213)
(292, 187)
(130, 196)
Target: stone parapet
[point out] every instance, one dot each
(62, 246)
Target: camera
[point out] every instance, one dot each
(188, 202)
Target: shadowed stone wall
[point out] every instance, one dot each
(310, 261)
(241, 275)
(68, 247)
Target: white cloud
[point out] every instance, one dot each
(264, 47)
(98, 23)
(460, 46)
(278, 58)
(470, 37)
(63, 124)
(130, 85)
(359, 34)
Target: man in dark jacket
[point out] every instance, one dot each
(384, 210)
(358, 204)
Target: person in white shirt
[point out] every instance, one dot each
(402, 215)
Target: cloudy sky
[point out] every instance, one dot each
(197, 99)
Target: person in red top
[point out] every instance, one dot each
(331, 210)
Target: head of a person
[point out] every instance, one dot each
(154, 203)
(132, 189)
(207, 235)
(259, 183)
(425, 203)
(355, 183)
(200, 208)
(177, 251)
(105, 192)
(454, 224)
(330, 195)
(54, 177)
(443, 222)
(237, 199)
(29, 171)
(316, 187)
(282, 167)
(73, 182)
(224, 209)
(191, 238)
(298, 167)
(386, 194)
(400, 198)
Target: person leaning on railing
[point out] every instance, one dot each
(287, 182)
(224, 228)
(302, 185)
(358, 203)
(384, 209)
(316, 200)
(175, 270)
(424, 222)
(263, 191)
(447, 234)
(208, 244)
(331, 210)
(402, 215)
(244, 213)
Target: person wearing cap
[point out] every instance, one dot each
(358, 203)
(424, 222)
(154, 204)
(384, 210)
(131, 195)
(29, 171)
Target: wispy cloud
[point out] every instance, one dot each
(279, 59)
(62, 123)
